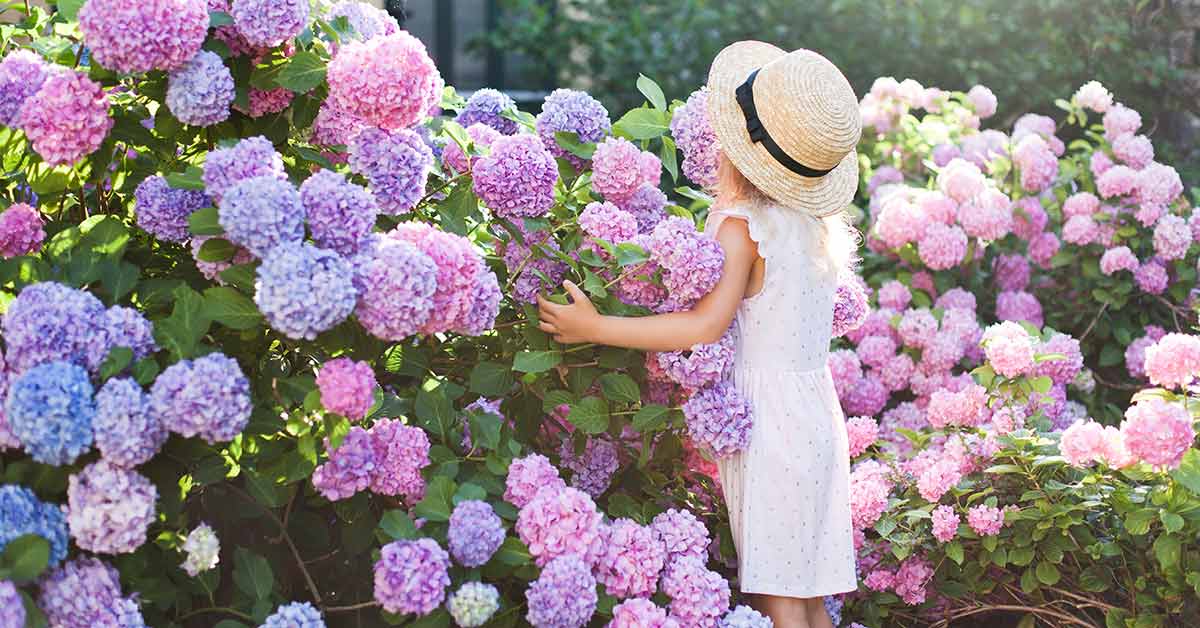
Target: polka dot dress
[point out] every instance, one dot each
(788, 492)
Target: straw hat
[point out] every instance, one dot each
(807, 124)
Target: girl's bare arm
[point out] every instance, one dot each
(678, 331)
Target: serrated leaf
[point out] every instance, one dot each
(620, 387)
(536, 361)
(954, 551)
(556, 398)
(180, 333)
(205, 222)
(438, 502)
(303, 72)
(231, 308)
(513, 552)
(485, 430)
(569, 141)
(398, 525)
(69, 9)
(590, 414)
(216, 250)
(252, 574)
(1166, 550)
(1188, 473)
(1047, 573)
(651, 418)
(118, 358)
(490, 379)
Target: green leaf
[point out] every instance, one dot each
(651, 418)
(620, 387)
(629, 254)
(180, 333)
(556, 398)
(1188, 473)
(437, 619)
(667, 154)
(652, 92)
(241, 276)
(490, 379)
(485, 430)
(641, 124)
(398, 525)
(216, 250)
(118, 358)
(119, 279)
(438, 502)
(536, 361)
(513, 552)
(145, 370)
(1047, 573)
(1166, 550)
(468, 491)
(1029, 581)
(1042, 384)
(460, 205)
(219, 18)
(954, 551)
(205, 222)
(69, 9)
(590, 415)
(303, 72)
(569, 141)
(231, 308)
(190, 179)
(1171, 521)
(1137, 522)
(25, 558)
(252, 574)
(264, 490)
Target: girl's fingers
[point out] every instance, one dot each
(547, 327)
(577, 295)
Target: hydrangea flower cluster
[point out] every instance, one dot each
(691, 262)
(396, 165)
(396, 284)
(252, 157)
(559, 523)
(516, 180)
(571, 111)
(109, 508)
(640, 612)
(22, 513)
(340, 214)
(594, 468)
(620, 168)
(347, 387)
(389, 81)
(203, 550)
(527, 261)
(630, 559)
(945, 523)
(269, 23)
(350, 467)
(207, 397)
(681, 534)
(699, 597)
(563, 596)
(647, 205)
(201, 92)
(850, 308)
(127, 433)
(529, 475)
(745, 617)
(1158, 432)
(163, 211)
(143, 36)
(1009, 349)
(694, 135)
(21, 75)
(412, 576)
(303, 290)
(473, 604)
(401, 451)
(1173, 361)
(719, 419)
(12, 609)
(67, 118)
(261, 213)
(21, 231)
(295, 615)
(87, 592)
(487, 106)
(50, 410)
(475, 534)
(862, 432)
(368, 21)
(702, 365)
(264, 102)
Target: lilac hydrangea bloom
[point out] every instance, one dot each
(303, 290)
(563, 596)
(251, 157)
(694, 135)
(401, 451)
(350, 466)
(262, 213)
(67, 118)
(347, 387)
(681, 534)
(485, 106)
(268, 23)
(516, 180)
(340, 214)
(630, 559)
(144, 35)
(691, 262)
(201, 92)
(22, 73)
(121, 327)
(7, 439)
(396, 164)
(833, 606)
(163, 211)
(127, 433)
(368, 21)
(109, 508)
(718, 418)
(207, 397)
(22, 513)
(50, 410)
(528, 476)
(594, 468)
(295, 615)
(699, 597)
(87, 592)
(21, 231)
(473, 604)
(606, 221)
(12, 609)
(849, 308)
(702, 365)
(411, 576)
(745, 617)
(528, 260)
(458, 262)
(475, 533)
(571, 111)
(396, 283)
(647, 206)
(485, 305)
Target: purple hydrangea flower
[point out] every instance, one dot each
(691, 262)
(396, 284)
(647, 206)
(571, 111)
(207, 397)
(411, 576)
(22, 513)
(127, 433)
(396, 164)
(350, 467)
(594, 468)
(12, 609)
(528, 260)
(367, 21)
(21, 75)
(681, 534)
(50, 410)
(606, 221)
(340, 214)
(7, 439)
(702, 365)
(295, 615)
(516, 180)
(67, 118)
(849, 308)
(718, 418)
(109, 508)
(401, 452)
(631, 557)
(833, 606)
(201, 92)
(473, 604)
(458, 262)
(144, 35)
(303, 290)
(485, 305)
(475, 533)
(485, 106)
(1061, 370)
(347, 387)
(262, 213)
(563, 596)
(21, 231)
(252, 157)
(87, 592)
(123, 327)
(163, 211)
(620, 168)
(699, 597)
(694, 135)
(268, 23)
(528, 476)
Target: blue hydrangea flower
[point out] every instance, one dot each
(260, 213)
(396, 164)
(476, 532)
(201, 91)
(252, 157)
(485, 107)
(340, 214)
(48, 322)
(22, 513)
(207, 397)
(163, 211)
(833, 606)
(22, 73)
(473, 604)
(127, 433)
(50, 410)
(295, 615)
(303, 290)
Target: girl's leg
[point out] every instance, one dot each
(785, 612)
(818, 617)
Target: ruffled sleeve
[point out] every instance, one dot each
(777, 232)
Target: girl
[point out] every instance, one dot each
(787, 124)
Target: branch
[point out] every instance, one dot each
(352, 607)
(312, 586)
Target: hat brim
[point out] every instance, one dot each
(821, 196)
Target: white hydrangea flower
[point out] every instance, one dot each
(203, 550)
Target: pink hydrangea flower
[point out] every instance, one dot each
(876, 350)
(880, 580)
(559, 523)
(67, 119)
(529, 475)
(1158, 432)
(897, 373)
(961, 180)
(943, 246)
(917, 328)
(619, 168)
(1151, 277)
(516, 180)
(941, 476)
(1173, 361)
(1080, 230)
(1157, 184)
(1120, 120)
(388, 81)
(144, 35)
(1029, 218)
(1009, 348)
(1011, 272)
(1019, 306)
(21, 231)
(606, 221)
(640, 613)
(1007, 419)
(937, 206)
(988, 216)
(349, 468)
(985, 520)
(1037, 163)
(1172, 237)
(1117, 181)
(912, 579)
(400, 452)
(966, 407)
(982, 100)
(945, 523)
(630, 559)
(862, 432)
(1100, 163)
(1117, 259)
(347, 387)
(1083, 443)
(1135, 151)
(894, 295)
(846, 369)
(1080, 204)
(1092, 95)
(1116, 452)
(1061, 370)
(868, 497)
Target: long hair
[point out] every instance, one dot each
(837, 239)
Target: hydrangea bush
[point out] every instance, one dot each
(279, 365)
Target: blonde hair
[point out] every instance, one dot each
(835, 234)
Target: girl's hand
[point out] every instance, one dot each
(573, 323)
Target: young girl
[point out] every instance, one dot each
(787, 124)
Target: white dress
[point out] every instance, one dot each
(788, 492)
